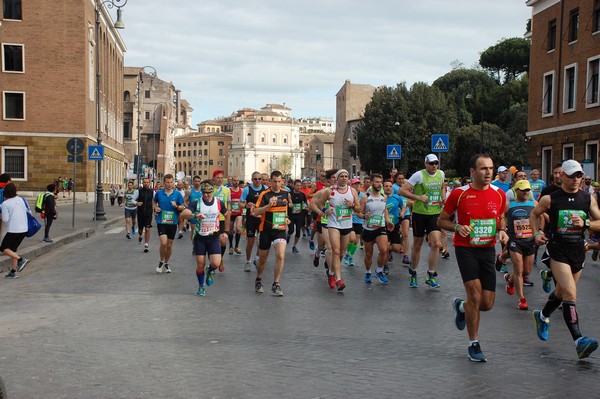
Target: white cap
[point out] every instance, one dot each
(431, 158)
(571, 166)
(502, 169)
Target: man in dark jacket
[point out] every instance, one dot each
(49, 211)
(145, 212)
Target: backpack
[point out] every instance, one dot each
(40, 203)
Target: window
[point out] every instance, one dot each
(548, 98)
(596, 17)
(262, 138)
(570, 89)
(194, 152)
(220, 152)
(14, 105)
(568, 151)
(551, 35)
(147, 94)
(221, 143)
(592, 90)
(547, 163)
(14, 162)
(13, 59)
(285, 139)
(591, 153)
(274, 139)
(126, 96)
(12, 9)
(205, 152)
(127, 130)
(573, 24)
(147, 115)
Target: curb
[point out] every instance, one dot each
(42, 248)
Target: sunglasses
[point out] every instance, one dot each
(576, 175)
(256, 178)
(433, 163)
(526, 190)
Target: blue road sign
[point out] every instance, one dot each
(96, 153)
(440, 143)
(394, 151)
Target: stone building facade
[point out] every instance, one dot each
(564, 94)
(202, 152)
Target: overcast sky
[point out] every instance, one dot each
(225, 55)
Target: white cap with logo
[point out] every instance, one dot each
(431, 158)
(571, 166)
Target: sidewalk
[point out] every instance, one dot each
(62, 231)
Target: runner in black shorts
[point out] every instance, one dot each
(479, 210)
(568, 208)
(248, 200)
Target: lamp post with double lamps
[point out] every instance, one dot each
(154, 134)
(140, 81)
(100, 6)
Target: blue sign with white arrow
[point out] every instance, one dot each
(96, 153)
(394, 151)
(440, 143)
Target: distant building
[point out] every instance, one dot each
(202, 152)
(318, 154)
(564, 90)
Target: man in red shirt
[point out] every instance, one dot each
(479, 209)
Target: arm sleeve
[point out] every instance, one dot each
(452, 202)
(416, 178)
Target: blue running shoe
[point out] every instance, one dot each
(431, 281)
(542, 326)
(345, 260)
(585, 346)
(367, 278)
(350, 261)
(311, 245)
(210, 276)
(201, 291)
(546, 281)
(459, 317)
(413, 278)
(381, 277)
(475, 353)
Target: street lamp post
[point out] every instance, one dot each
(154, 169)
(140, 81)
(99, 214)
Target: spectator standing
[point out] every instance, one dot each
(50, 212)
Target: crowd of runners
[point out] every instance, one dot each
(338, 214)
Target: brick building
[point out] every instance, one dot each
(564, 94)
(48, 92)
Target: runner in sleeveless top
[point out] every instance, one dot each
(236, 216)
(297, 213)
(323, 244)
(222, 193)
(272, 206)
(357, 228)
(192, 195)
(521, 243)
(248, 200)
(205, 234)
(376, 219)
(568, 209)
(343, 199)
(479, 209)
(426, 189)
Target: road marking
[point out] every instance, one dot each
(115, 230)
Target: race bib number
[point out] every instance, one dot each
(342, 212)
(376, 221)
(483, 231)
(565, 225)
(434, 197)
(297, 208)
(235, 206)
(278, 221)
(167, 217)
(522, 229)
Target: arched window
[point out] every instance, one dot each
(127, 96)
(285, 139)
(274, 138)
(262, 138)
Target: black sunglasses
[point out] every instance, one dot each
(576, 175)
(433, 163)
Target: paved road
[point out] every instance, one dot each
(98, 322)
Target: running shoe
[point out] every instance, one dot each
(140, 240)
(323, 251)
(405, 260)
(221, 266)
(210, 276)
(230, 251)
(368, 278)
(527, 282)
(132, 231)
(340, 285)
(21, 264)
(546, 281)
(128, 235)
(146, 249)
(510, 287)
(541, 326)
(166, 268)
(459, 317)
(237, 250)
(381, 277)
(361, 245)
(595, 255)
(523, 305)
(431, 281)
(585, 346)
(316, 260)
(248, 266)
(350, 261)
(446, 254)
(311, 245)
(295, 250)
(201, 291)
(331, 280)
(386, 270)
(345, 259)
(48, 240)
(475, 353)
(159, 268)
(10, 274)
(258, 287)
(303, 235)
(499, 263)
(413, 278)
(179, 235)
(276, 289)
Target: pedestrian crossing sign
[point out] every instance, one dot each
(95, 153)
(440, 143)
(394, 151)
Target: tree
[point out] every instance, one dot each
(284, 164)
(508, 58)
